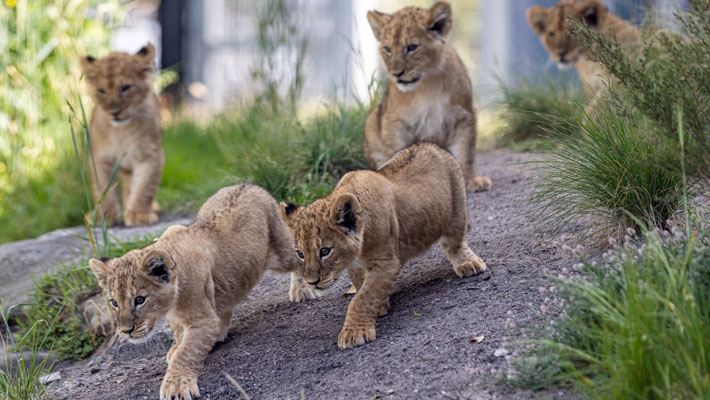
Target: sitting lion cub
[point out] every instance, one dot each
(125, 127)
(374, 221)
(428, 97)
(196, 275)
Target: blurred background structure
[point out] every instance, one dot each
(214, 46)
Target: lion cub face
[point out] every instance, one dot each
(120, 82)
(552, 26)
(142, 288)
(328, 236)
(412, 41)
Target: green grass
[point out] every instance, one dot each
(530, 108)
(635, 326)
(22, 378)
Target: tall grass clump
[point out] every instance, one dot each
(265, 141)
(636, 324)
(606, 179)
(530, 108)
(40, 42)
(22, 378)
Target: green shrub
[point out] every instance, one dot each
(669, 72)
(530, 108)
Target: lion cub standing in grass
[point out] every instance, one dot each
(125, 127)
(428, 97)
(374, 221)
(196, 275)
(552, 25)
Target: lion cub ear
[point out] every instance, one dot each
(537, 18)
(440, 19)
(288, 211)
(346, 213)
(592, 12)
(88, 64)
(100, 269)
(377, 21)
(158, 264)
(147, 56)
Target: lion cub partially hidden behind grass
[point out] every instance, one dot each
(429, 96)
(196, 275)
(126, 127)
(374, 221)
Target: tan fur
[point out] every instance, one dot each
(438, 106)
(552, 26)
(126, 123)
(374, 221)
(196, 275)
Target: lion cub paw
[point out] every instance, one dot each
(136, 218)
(182, 387)
(300, 292)
(473, 266)
(350, 337)
(479, 184)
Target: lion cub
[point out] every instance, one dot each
(196, 275)
(552, 26)
(125, 127)
(374, 221)
(429, 96)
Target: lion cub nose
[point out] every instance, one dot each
(314, 283)
(129, 330)
(398, 74)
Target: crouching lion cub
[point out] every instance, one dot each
(374, 221)
(196, 275)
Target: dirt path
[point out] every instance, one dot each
(279, 350)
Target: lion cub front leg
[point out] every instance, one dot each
(369, 302)
(188, 357)
(177, 332)
(144, 183)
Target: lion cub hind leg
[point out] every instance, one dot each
(464, 260)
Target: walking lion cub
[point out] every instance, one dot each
(196, 275)
(374, 221)
(126, 128)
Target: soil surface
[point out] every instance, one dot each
(424, 347)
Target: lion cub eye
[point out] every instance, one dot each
(412, 47)
(139, 300)
(125, 89)
(102, 92)
(388, 50)
(324, 251)
(300, 255)
(114, 303)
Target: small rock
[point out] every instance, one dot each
(54, 376)
(501, 352)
